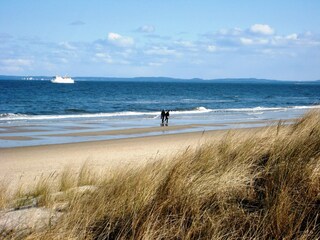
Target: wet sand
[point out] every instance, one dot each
(16, 138)
(131, 131)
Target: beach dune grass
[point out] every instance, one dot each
(255, 185)
(69, 178)
(3, 194)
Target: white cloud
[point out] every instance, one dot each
(186, 44)
(234, 31)
(158, 62)
(19, 62)
(162, 51)
(253, 41)
(15, 64)
(246, 41)
(155, 64)
(155, 53)
(293, 36)
(158, 37)
(262, 29)
(146, 29)
(67, 46)
(104, 57)
(287, 40)
(113, 58)
(120, 41)
(262, 41)
(212, 48)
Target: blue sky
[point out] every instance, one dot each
(183, 39)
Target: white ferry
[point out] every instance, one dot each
(59, 79)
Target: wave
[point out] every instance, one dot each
(153, 114)
(13, 116)
(261, 109)
(254, 109)
(18, 116)
(193, 111)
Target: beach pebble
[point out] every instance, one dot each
(21, 222)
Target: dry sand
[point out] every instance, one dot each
(26, 164)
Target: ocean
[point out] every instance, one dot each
(120, 105)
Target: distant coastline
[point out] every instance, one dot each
(160, 79)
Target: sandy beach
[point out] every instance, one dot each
(22, 165)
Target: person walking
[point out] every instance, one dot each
(167, 117)
(163, 114)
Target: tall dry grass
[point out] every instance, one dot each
(3, 194)
(257, 185)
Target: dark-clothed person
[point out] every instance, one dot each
(167, 117)
(163, 114)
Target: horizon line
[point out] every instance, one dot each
(174, 78)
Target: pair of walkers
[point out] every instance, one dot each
(164, 117)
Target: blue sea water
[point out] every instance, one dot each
(117, 105)
(42, 99)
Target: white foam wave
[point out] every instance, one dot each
(195, 111)
(261, 109)
(198, 110)
(11, 116)
(306, 107)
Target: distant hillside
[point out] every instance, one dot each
(167, 79)
(246, 80)
(158, 79)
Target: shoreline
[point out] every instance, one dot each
(30, 135)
